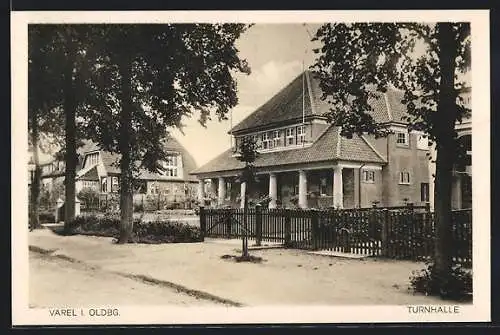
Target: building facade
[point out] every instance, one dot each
(304, 161)
(99, 170)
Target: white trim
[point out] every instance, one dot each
(289, 147)
(398, 128)
(372, 167)
(348, 165)
(409, 178)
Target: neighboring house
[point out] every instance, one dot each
(100, 171)
(304, 159)
(461, 193)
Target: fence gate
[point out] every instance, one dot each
(228, 223)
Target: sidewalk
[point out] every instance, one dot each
(286, 277)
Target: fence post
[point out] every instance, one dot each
(203, 223)
(385, 233)
(258, 224)
(288, 229)
(315, 229)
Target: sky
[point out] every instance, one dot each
(275, 53)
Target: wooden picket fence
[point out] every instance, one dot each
(396, 232)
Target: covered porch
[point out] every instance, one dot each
(321, 186)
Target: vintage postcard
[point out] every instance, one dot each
(250, 167)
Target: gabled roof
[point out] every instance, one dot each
(330, 146)
(90, 175)
(286, 105)
(111, 161)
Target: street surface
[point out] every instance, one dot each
(56, 282)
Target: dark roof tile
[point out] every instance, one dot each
(286, 105)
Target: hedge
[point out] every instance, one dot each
(143, 232)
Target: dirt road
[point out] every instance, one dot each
(56, 282)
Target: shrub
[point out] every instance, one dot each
(458, 287)
(46, 217)
(143, 232)
(88, 196)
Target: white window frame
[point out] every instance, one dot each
(115, 182)
(276, 138)
(301, 135)
(369, 176)
(290, 136)
(171, 165)
(405, 137)
(104, 184)
(403, 180)
(265, 140)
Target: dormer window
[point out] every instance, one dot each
(276, 139)
(301, 135)
(170, 166)
(290, 136)
(266, 142)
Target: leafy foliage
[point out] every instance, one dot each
(143, 232)
(247, 153)
(427, 62)
(359, 60)
(177, 70)
(457, 287)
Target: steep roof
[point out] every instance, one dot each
(286, 105)
(90, 175)
(111, 161)
(330, 146)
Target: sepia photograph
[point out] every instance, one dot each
(213, 166)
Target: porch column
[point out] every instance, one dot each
(273, 190)
(338, 192)
(201, 191)
(357, 186)
(302, 189)
(243, 187)
(221, 192)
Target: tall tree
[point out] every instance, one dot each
(42, 99)
(58, 74)
(148, 76)
(424, 60)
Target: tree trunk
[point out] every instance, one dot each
(34, 220)
(70, 135)
(445, 144)
(126, 178)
